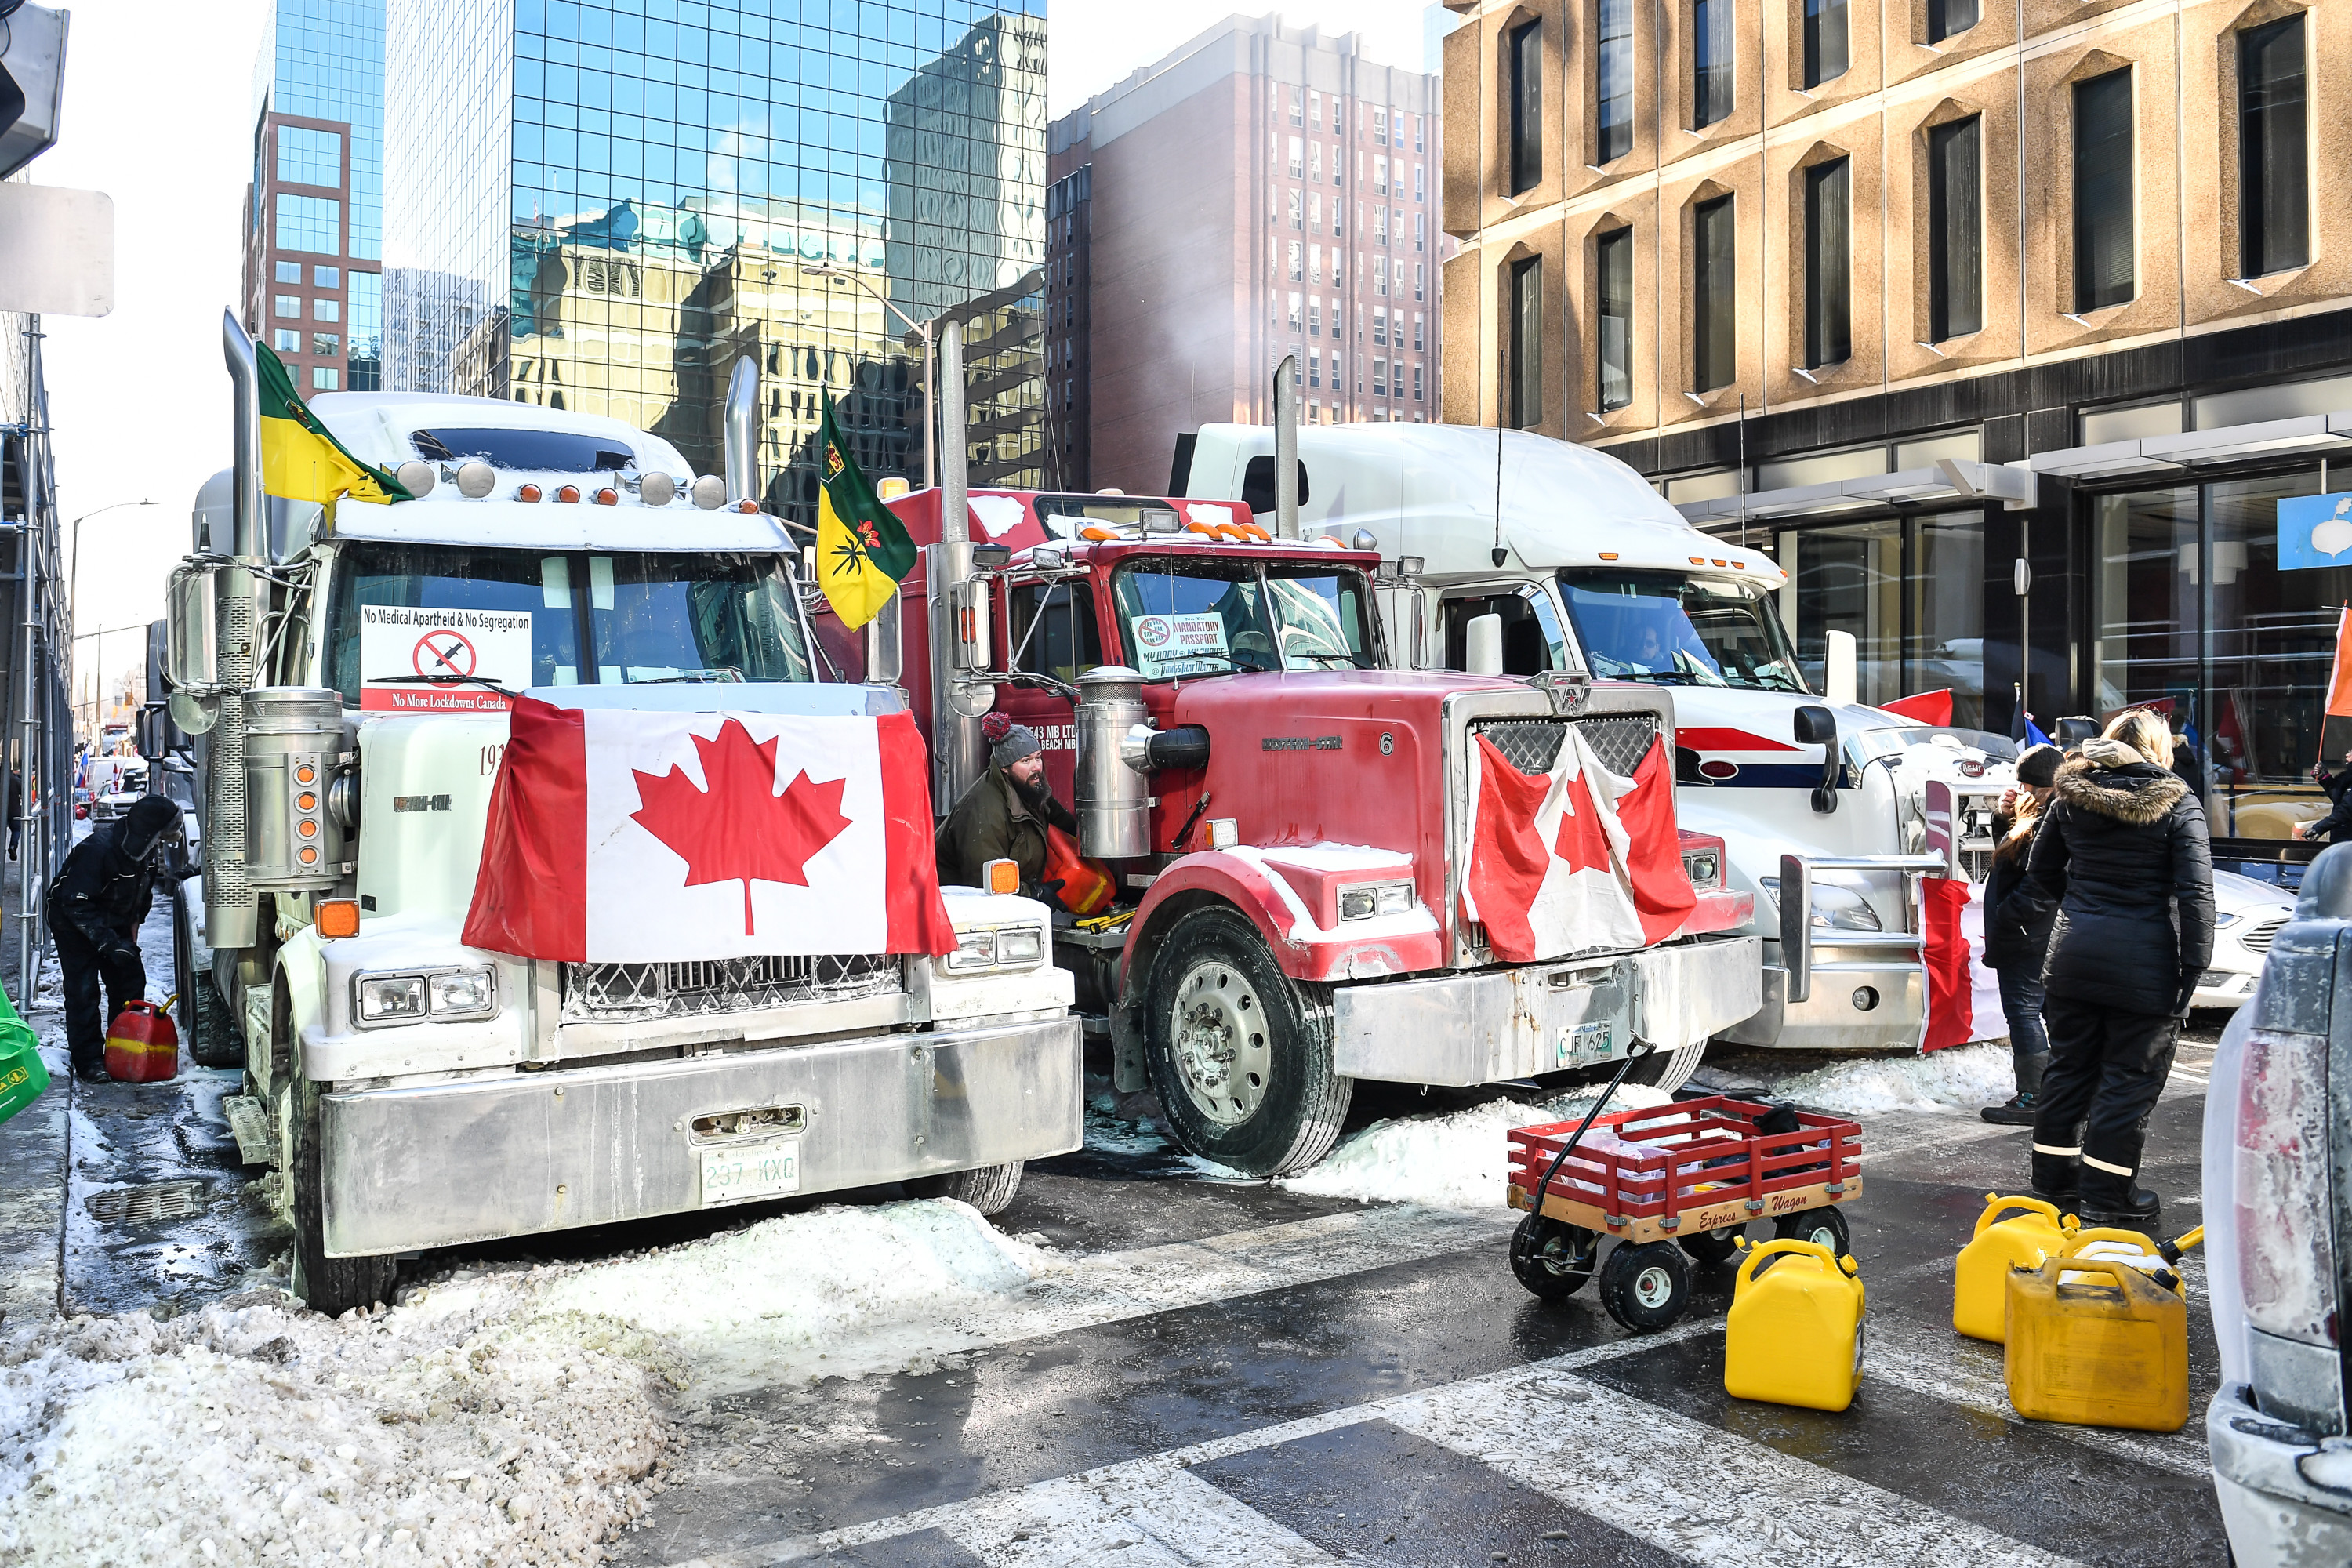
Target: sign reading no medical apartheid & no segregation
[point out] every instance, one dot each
(402, 645)
(621, 837)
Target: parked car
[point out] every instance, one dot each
(2278, 1240)
(2248, 915)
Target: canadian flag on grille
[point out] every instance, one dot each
(623, 837)
(1575, 858)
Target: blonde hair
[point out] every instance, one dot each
(2144, 732)
(2026, 809)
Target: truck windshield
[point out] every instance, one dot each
(404, 619)
(1213, 616)
(1678, 630)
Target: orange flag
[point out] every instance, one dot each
(2336, 728)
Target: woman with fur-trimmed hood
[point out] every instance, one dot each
(2123, 853)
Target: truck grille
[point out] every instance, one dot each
(628, 993)
(1619, 739)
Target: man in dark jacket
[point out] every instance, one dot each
(2017, 932)
(96, 904)
(2335, 827)
(1003, 816)
(2123, 853)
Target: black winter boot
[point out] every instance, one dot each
(2056, 1178)
(2118, 1201)
(2016, 1111)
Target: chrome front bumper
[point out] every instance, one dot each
(514, 1155)
(1486, 1025)
(1831, 1019)
(2275, 1517)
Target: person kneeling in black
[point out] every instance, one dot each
(100, 895)
(2123, 852)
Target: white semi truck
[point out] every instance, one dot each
(1823, 803)
(420, 1093)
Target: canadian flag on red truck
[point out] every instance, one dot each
(617, 836)
(1573, 860)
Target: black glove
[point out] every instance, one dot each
(2183, 994)
(120, 954)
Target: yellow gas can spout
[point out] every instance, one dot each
(2173, 1249)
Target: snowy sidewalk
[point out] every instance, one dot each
(32, 1150)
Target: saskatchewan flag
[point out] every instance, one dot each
(862, 550)
(299, 460)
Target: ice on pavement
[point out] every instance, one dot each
(1962, 1078)
(514, 1415)
(1458, 1161)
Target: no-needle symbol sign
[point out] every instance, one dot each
(443, 652)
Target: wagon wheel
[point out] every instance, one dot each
(1713, 1247)
(1825, 1225)
(1647, 1287)
(1551, 1258)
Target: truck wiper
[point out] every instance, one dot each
(440, 680)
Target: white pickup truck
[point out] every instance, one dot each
(420, 1093)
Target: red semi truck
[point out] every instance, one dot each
(1285, 817)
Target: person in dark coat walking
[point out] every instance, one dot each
(2335, 827)
(15, 810)
(1003, 814)
(2123, 854)
(96, 904)
(2017, 932)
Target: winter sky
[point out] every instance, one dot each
(159, 104)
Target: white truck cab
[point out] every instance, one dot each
(1507, 553)
(424, 1093)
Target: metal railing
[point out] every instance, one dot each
(34, 655)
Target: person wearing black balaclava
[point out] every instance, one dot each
(96, 904)
(1003, 816)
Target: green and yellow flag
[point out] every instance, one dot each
(299, 460)
(862, 550)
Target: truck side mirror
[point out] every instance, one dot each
(191, 642)
(1481, 646)
(1817, 726)
(149, 728)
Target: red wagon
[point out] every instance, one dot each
(1683, 1178)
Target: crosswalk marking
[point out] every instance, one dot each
(1152, 1515)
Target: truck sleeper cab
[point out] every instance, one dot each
(1287, 819)
(1599, 573)
(428, 1094)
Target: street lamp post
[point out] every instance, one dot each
(930, 368)
(73, 598)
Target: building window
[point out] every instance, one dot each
(289, 272)
(1379, 127)
(2104, 271)
(1400, 282)
(1829, 262)
(1956, 229)
(1297, 159)
(1710, 62)
(1715, 346)
(289, 342)
(2273, 226)
(1315, 213)
(1614, 79)
(1380, 325)
(326, 311)
(309, 223)
(1527, 104)
(1949, 18)
(1526, 390)
(1299, 211)
(1315, 111)
(1416, 383)
(1420, 230)
(326, 276)
(1315, 319)
(290, 305)
(1298, 262)
(327, 345)
(1825, 41)
(1296, 108)
(1379, 176)
(1379, 226)
(1315, 264)
(1380, 376)
(324, 379)
(1416, 194)
(1613, 257)
(1417, 343)
(1295, 302)
(1314, 367)
(1315, 163)
(1417, 281)
(309, 157)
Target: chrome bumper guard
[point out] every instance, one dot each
(1490, 1025)
(1903, 951)
(488, 1158)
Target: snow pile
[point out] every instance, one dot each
(1458, 1161)
(518, 1415)
(1964, 1078)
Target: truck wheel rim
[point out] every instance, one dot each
(1653, 1286)
(1219, 1040)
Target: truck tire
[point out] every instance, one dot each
(990, 1189)
(1240, 1057)
(213, 1037)
(329, 1285)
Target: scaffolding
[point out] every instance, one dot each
(34, 655)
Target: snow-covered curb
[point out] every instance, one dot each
(514, 1415)
(1962, 1078)
(1458, 1161)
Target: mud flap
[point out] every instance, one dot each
(1127, 1074)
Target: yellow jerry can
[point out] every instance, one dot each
(1795, 1333)
(2096, 1342)
(1980, 1276)
(2131, 1247)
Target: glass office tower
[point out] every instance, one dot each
(314, 213)
(598, 205)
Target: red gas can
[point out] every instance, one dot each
(142, 1046)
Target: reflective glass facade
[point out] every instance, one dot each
(599, 206)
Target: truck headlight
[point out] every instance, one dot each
(441, 994)
(999, 947)
(1703, 868)
(1362, 900)
(1835, 908)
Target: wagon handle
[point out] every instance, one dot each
(1640, 1048)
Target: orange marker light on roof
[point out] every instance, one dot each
(1255, 531)
(747, 507)
(568, 494)
(608, 497)
(1699, 560)
(1741, 565)
(1722, 563)
(527, 492)
(1096, 534)
(1206, 531)
(1609, 556)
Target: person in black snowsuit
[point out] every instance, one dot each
(2017, 932)
(96, 904)
(2123, 852)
